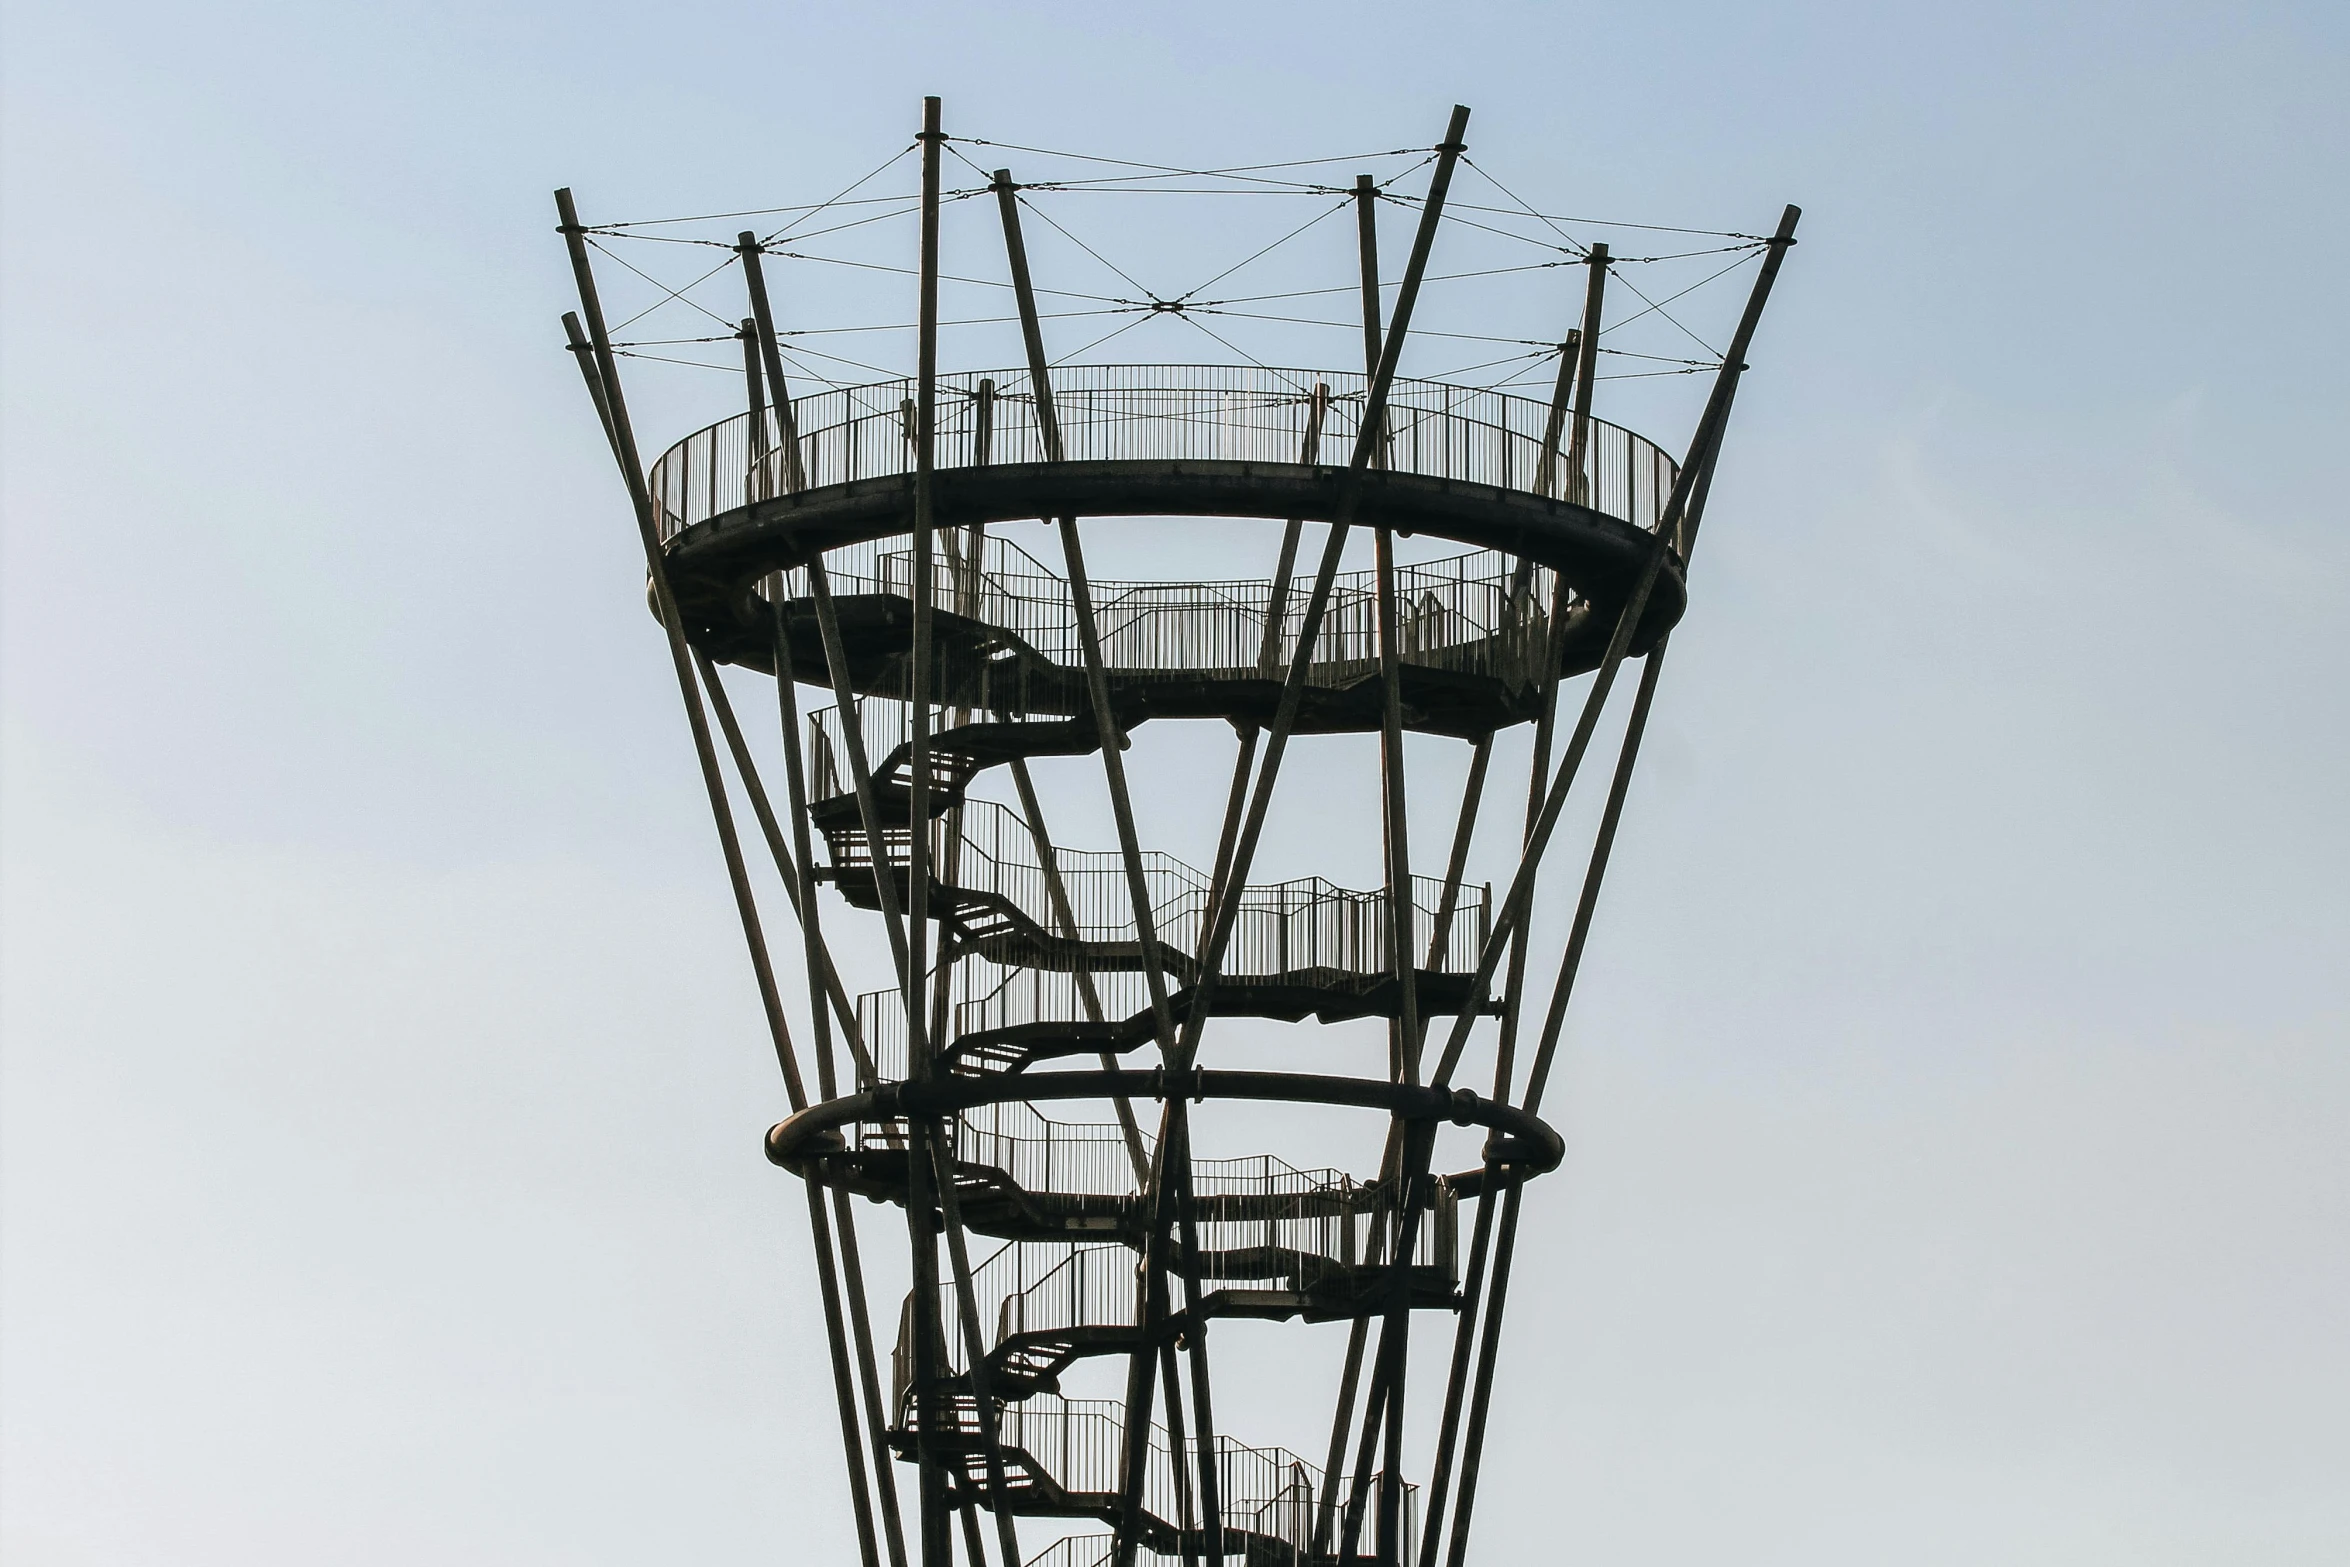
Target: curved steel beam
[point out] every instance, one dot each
(1530, 1146)
(1592, 549)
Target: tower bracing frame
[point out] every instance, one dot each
(1031, 1054)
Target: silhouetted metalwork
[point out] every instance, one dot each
(840, 540)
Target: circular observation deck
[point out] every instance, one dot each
(740, 520)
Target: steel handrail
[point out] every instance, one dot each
(1140, 412)
(1079, 1445)
(1470, 613)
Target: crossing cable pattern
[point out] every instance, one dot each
(841, 538)
(864, 220)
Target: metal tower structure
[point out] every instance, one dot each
(1024, 1093)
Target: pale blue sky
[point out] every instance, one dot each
(1960, 1105)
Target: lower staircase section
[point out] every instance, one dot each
(1007, 1019)
(1047, 962)
(1101, 1550)
(1064, 1457)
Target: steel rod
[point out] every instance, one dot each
(1678, 522)
(1134, 1454)
(836, 662)
(1367, 446)
(1456, 865)
(746, 246)
(1509, 923)
(852, 1437)
(1268, 663)
(802, 894)
(809, 908)
(614, 411)
(835, 654)
(1244, 757)
(1154, 1293)
(1405, 1174)
(1562, 396)
(1456, 1379)
(975, 1352)
(1573, 392)
(1195, 1344)
(1088, 625)
(1394, 1163)
(800, 884)
(949, 870)
(1513, 911)
(1186, 1517)
(1586, 375)
(1481, 1401)
(798, 890)
(1366, 199)
(967, 1513)
(1394, 814)
(797, 894)
(1605, 840)
(925, 503)
(1361, 1477)
(1391, 1163)
(819, 955)
(1603, 843)
(1366, 443)
(921, 1136)
(755, 393)
(1471, 792)
(1392, 803)
(1057, 894)
(1040, 379)
(935, 1545)
(930, 1412)
(821, 980)
(1395, 826)
(762, 351)
(1325, 1514)
(1668, 528)
(877, 1413)
(601, 370)
(1571, 961)
(1395, 1338)
(1089, 643)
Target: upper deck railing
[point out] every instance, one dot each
(1227, 413)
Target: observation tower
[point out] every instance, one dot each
(1073, 1285)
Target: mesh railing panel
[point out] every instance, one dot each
(1280, 926)
(1468, 614)
(1219, 413)
(1268, 1491)
(1332, 937)
(1318, 1229)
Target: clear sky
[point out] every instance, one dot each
(1960, 1113)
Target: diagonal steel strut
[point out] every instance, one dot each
(593, 351)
